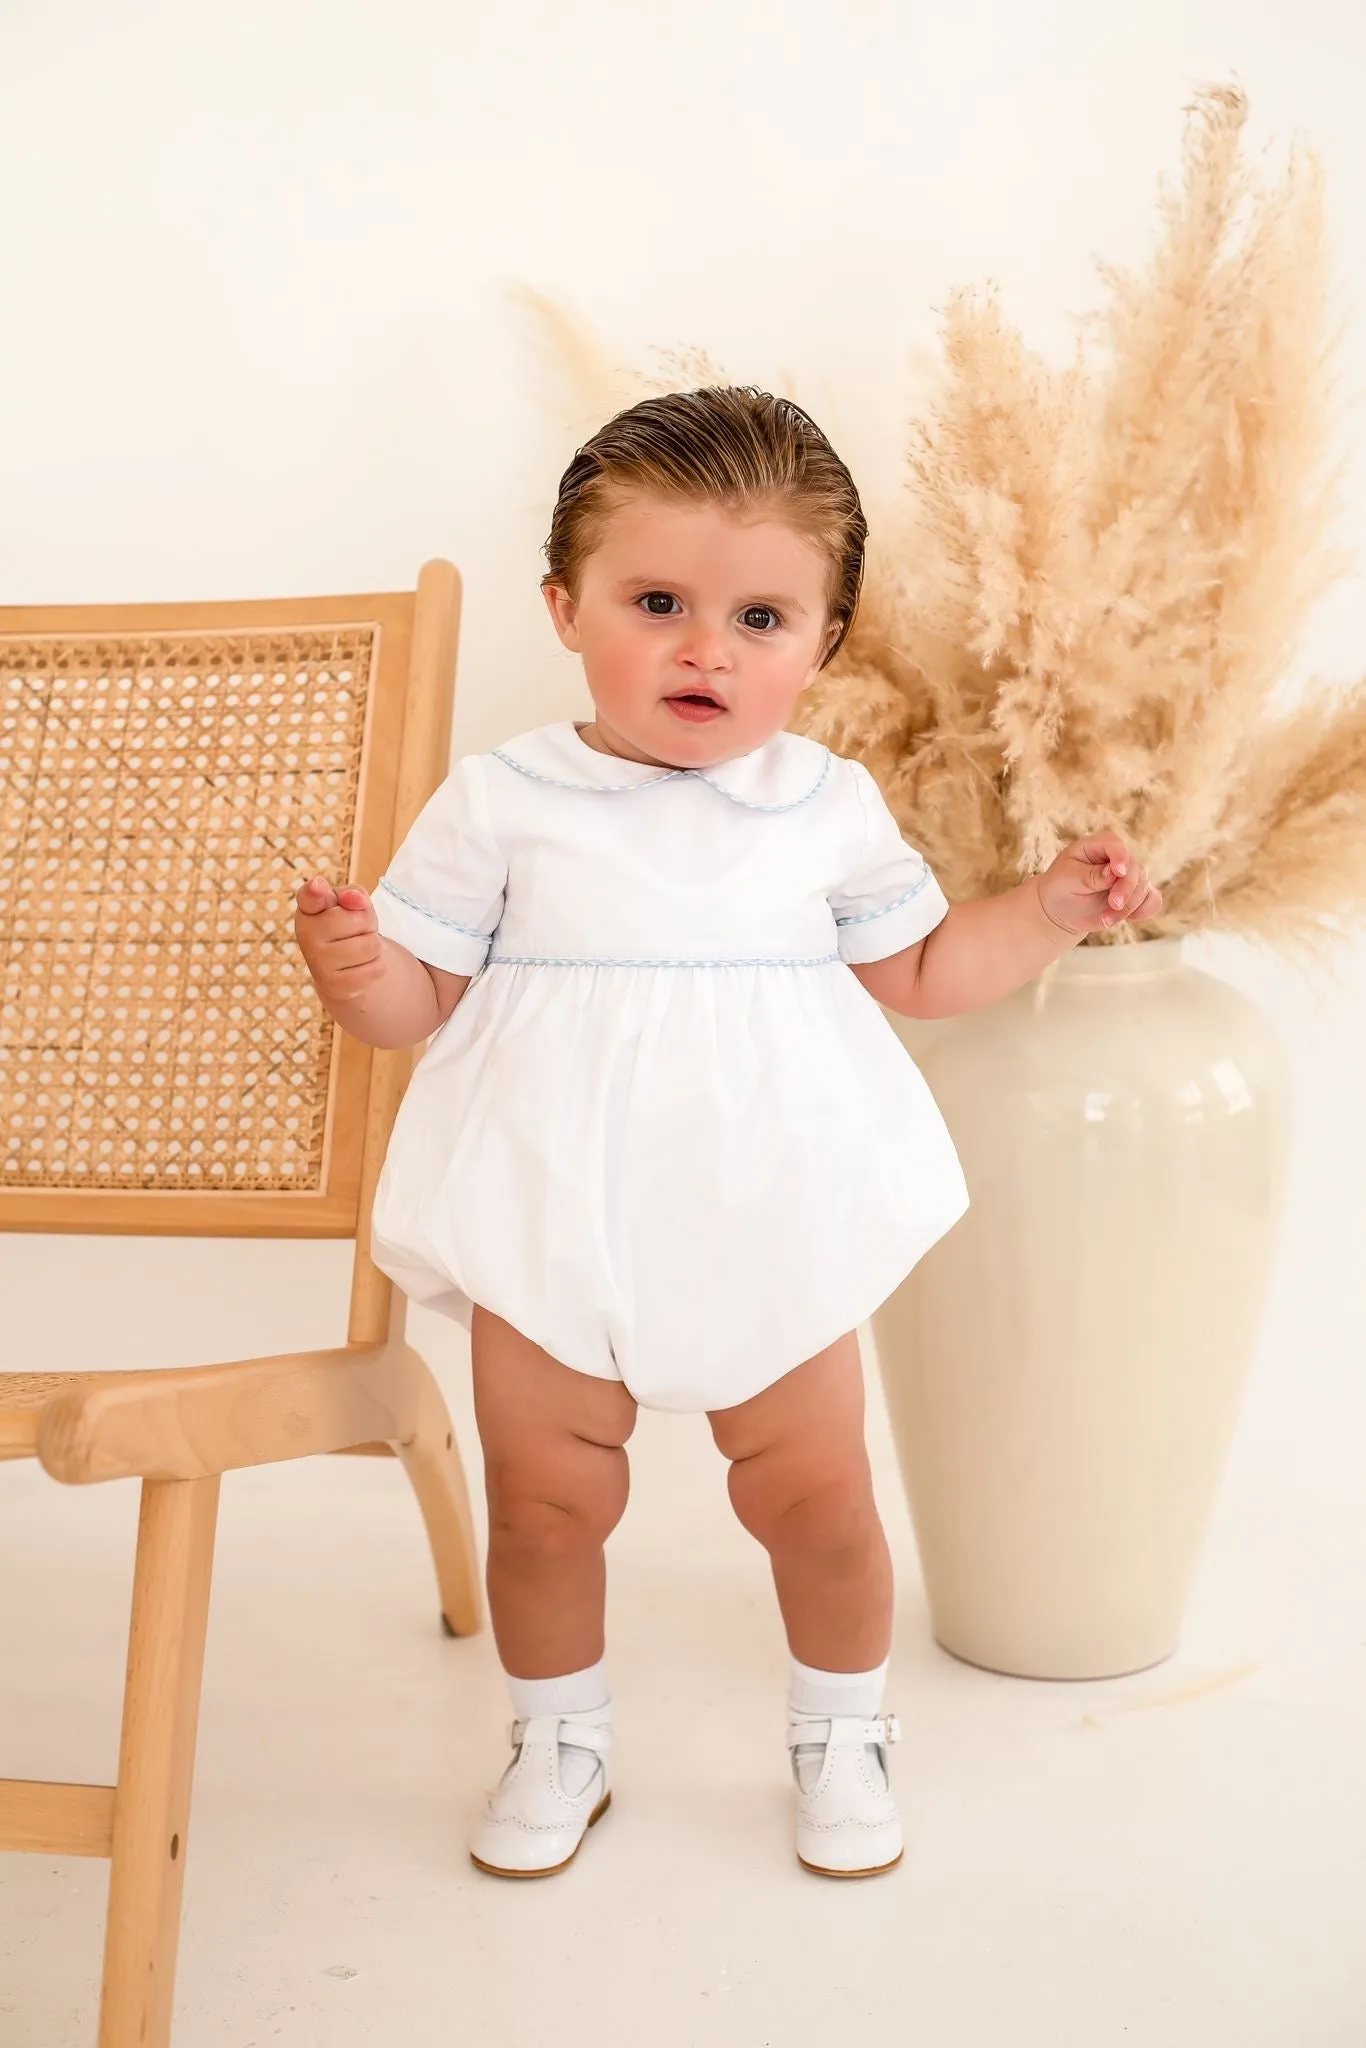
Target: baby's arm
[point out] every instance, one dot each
(374, 988)
(980, 951)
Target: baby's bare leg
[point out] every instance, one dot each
(556, 1476)
(800, 1483)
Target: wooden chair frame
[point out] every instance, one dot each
(178, 1431)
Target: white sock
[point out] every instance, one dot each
(576, 1695)
(575, 1692)
(814, 1695)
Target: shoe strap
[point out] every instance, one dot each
(563, 1729)
(845, 1731)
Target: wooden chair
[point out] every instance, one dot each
(167, 776)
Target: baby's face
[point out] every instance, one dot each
(698, 628)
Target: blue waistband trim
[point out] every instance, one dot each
(545, 960)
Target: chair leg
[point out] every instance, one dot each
(156, 1759)
(432, 1462)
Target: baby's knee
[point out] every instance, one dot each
(820, 1508)
(545, 1514)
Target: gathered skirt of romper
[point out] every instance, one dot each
(691, 1178)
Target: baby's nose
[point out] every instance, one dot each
(706, 650)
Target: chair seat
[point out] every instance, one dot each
(23, 1396)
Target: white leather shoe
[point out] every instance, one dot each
(558, 1783)
(847, 1822)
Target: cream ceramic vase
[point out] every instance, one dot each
(1064, 1369)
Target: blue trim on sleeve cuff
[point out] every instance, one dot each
(467, 931)
(867, 916)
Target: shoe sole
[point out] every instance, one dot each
(873, 1869)
(549, 1869)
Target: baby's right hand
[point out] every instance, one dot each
(338, 935)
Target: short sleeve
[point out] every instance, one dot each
(442, 893)
(890, 899)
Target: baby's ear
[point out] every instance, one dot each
(564, 614)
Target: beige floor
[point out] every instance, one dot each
(1174, 1860)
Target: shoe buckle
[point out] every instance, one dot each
(892, 1728)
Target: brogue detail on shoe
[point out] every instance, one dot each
(531, 1825)
(847, 1823)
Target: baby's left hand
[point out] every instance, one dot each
(1094, 883)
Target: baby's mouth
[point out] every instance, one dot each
(695, 706)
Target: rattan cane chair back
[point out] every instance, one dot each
(168, 777)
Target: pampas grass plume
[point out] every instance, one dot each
(1080, 616)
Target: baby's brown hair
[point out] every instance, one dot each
(728, 445)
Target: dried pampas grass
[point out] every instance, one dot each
(597, 386)
(1080, 617)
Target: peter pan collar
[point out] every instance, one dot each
(778, 776)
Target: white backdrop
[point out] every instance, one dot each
(255, 337)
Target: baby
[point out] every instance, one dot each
(664, 1146)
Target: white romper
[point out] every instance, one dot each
(666, 1134)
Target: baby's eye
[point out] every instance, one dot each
(657, 603)
(761, 618)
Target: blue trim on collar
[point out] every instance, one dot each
(592, 788)
(708, 776)
(716, 778)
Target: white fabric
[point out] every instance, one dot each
(575, 1692)
(815, 1693)
(666, 1134)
